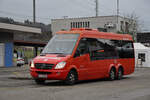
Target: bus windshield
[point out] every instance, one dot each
(61, 44)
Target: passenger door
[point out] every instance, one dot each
(111, 54)
(81, 59)
(97, 56)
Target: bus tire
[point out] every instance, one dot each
(120, 74)
(72, 77)
(112, 74)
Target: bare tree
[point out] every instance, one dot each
(134, 24)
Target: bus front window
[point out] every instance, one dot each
(61, 44)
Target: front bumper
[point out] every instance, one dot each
(50, 74)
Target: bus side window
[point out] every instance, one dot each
(124, 49)
(110, 48)
(82, 48)
(96, 48)
(127, 49)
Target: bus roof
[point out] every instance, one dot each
(94, 33)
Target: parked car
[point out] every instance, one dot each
(20, 61)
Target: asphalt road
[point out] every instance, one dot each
(16, 84)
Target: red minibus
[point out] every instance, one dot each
(84, 54)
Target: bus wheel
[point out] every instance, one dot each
(38, 81)
(71, 78)
(120, 74)
(112, 74)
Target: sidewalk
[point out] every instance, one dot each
(15, 68)
(15, 72)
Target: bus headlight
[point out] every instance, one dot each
(32, 64)
(60, 65)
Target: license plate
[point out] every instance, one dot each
(42, 76)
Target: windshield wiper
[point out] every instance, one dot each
(56, 53)
(43, 54)
(59, 54)
(52, 53)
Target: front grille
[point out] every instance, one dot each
(43, 66)
(43, 72)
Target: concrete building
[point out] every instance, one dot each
(103, 23)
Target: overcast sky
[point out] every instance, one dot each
(51, 9)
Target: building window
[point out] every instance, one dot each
(71, 25)
(126, 27)
(141, 56)
(88, 24)
(83, 24)
(74, 25)
(80, 24)
(122, 26)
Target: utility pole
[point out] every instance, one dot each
(34, 14)
(34, 21)
(117, 11)
(96, 8)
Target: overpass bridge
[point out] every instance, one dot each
(17, 35)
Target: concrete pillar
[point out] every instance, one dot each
(2, 54)
(35, 51)
(9, 54)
